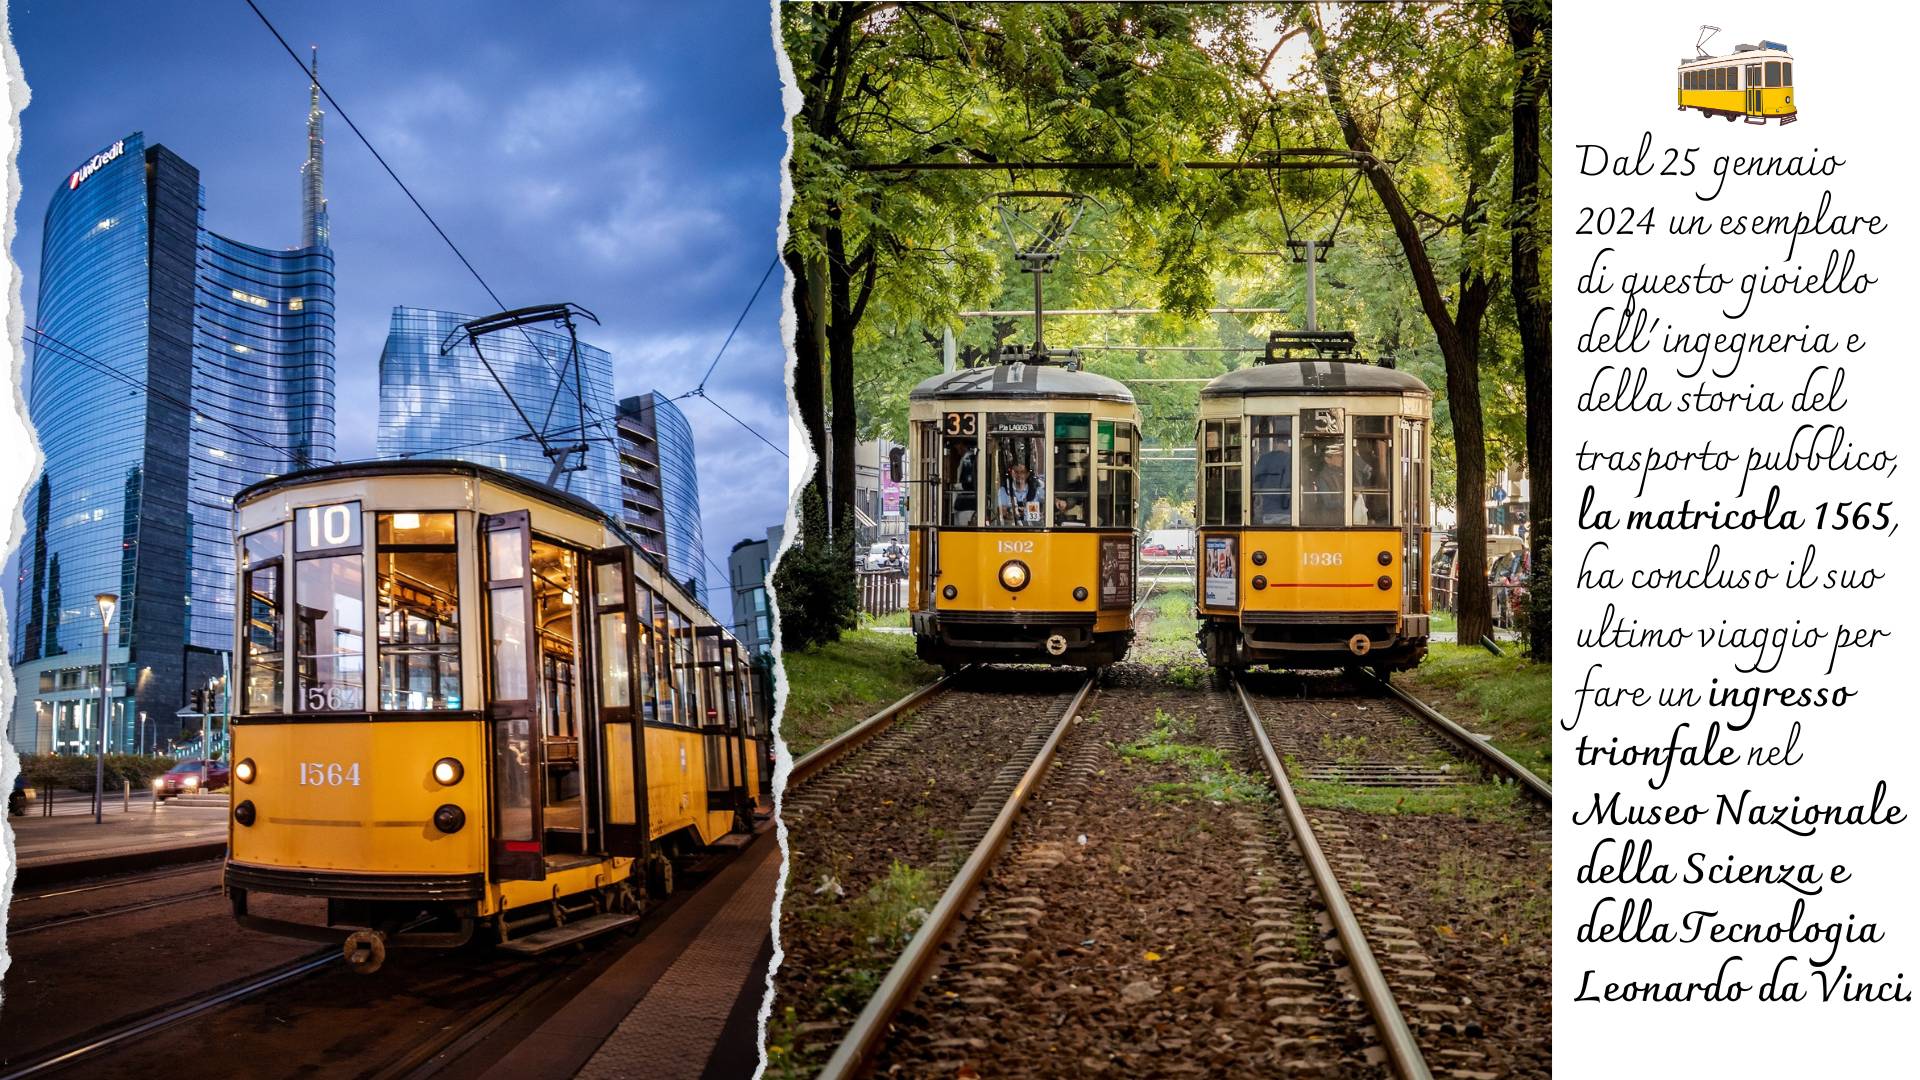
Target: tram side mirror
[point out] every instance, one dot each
(896, 469)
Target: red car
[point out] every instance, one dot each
(1153, 549)
(189, 777)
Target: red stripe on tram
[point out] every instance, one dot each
(521, 845)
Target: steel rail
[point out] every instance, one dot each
(910, 970)
(121, 881)
(1473, 744)
(808, 765)
(1403, 1051)
(104, 913)
(62, 1056)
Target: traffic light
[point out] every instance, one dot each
(198, 701)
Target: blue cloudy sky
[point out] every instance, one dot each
(622, 156)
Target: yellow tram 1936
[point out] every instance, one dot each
(1023, 546)
(465, 699)
(1313, 507)
(1755, 83)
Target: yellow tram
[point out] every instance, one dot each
(1755, 83)
(1314, 529)
(466, 699)
(1022, 546)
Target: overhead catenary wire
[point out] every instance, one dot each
(468, 263)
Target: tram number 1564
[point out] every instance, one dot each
(329, 774)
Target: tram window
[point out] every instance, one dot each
(643, 625)
(1220, 463)
(1323, 490)
(960, 480)
(1072, 469)
(686, 702)
(509, 622)
(616, 674)
(1019, 480)
(1272, 452)
(1372, 482)
(263, 671)
(330, 634)
(1773, 73)
(556, 592)
(663, 659)
(1786, 74)
(418, 586)
(1117, 440)
(1753, 76)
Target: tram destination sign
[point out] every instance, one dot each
(1013, 423)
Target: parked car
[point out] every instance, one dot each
(1150, 550)
(189, 777)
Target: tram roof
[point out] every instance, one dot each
(1021, 381)
(353, 470)
(1322, 377)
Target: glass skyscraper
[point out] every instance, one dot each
(171, 366)
(438, 400)
(680, 494)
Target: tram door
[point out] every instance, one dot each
(726, 774)
(563, 753)
(514, 848)
(927, 499)
(1413, 513)
(621, 657)
(1754, 104)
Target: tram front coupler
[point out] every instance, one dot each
(365, 950)
(1057, 645)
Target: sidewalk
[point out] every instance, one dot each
(70, 845)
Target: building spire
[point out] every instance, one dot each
(313, 174)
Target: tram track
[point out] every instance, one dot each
(1439, 846)
(105, 1040)
(58, 921)
(1047, 975)
(873, 840)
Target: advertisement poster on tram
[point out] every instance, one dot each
(1221, 573)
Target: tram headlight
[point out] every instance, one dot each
(949, 592)
(448, 771)
(1014, 575)
(1259, 558)
(1386, 558)
(449, 818)
(244, 770)
(1385, 583)
(1259, 582)
(1079, 592)
(244, 813)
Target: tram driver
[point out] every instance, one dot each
(1021, 497)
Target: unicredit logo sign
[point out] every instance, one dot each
(93, 164)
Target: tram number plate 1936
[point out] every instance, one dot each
(329, 774)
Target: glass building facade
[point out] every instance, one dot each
(149, 418)
(747, 568)
(438, 400)
(680, 497)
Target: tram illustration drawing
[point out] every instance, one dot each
(1754, 83)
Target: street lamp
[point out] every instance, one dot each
(107, 601)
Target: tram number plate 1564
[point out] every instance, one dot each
(329, 774)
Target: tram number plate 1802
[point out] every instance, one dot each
(329, 774)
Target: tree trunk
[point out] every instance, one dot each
(1529, 28)
(809, 394)
(1459, 349)
(844, 424)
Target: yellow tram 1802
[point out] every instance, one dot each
(1754, 82)
(1313, 506)
(1023, 546)
(465, 699)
